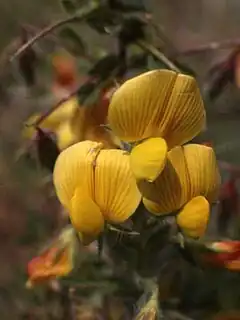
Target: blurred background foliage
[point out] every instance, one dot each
(29, 212)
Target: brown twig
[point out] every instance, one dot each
(99, 86)
(83, 14)
(157, 54)
(50, 111)
(56, 41)
(214, 45)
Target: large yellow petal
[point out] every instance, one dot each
(74, 168)
(170, 191)
(85, 215)
(135, 105)
(185, 115)
(116, 192)
(193, 218)
(158, 103)
(148, 159)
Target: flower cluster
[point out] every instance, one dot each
(71, 122)
(157, 112)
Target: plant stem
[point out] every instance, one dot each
(157, 54)
(99, 86)
(83, 14)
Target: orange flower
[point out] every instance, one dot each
(65, 71)
(225, 254)
(51, 264)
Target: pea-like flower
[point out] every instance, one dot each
(188, 185)
(72, 123)
(58, 122)
(158, 110)
(95, 185)
(224, 254)
(44, 268)
(55, 261)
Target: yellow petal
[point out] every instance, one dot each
(116, 192)
(62, 113)
(65, 136)
(87, 124)
(193, 218)
(148, 159)
(153, 207)
(85, 215)
(185, 115)
(170, 191)
(74, 168)
(203, 171)
(134, 105)
(100, 134)
(158, 103)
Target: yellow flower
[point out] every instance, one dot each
(95, 185)
(58, 122)
(73, 123)
(159, 110)
(190, 183)
(190, 171)
(88, 124)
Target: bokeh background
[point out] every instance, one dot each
(29, 212)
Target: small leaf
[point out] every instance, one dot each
(103, 67)
(87, 94)
(47, 150)
(105, 18)
(72, 41)
(68, 6)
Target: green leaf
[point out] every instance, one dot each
(68, 6)
(72, 41)
(88, 94)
